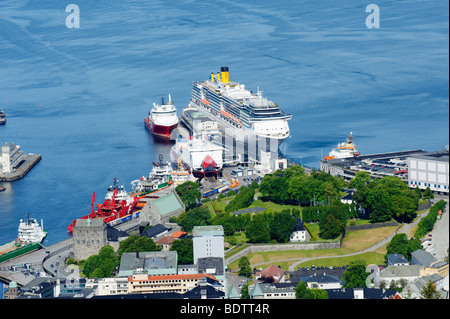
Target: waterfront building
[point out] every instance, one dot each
(10, 157)
(430, 170)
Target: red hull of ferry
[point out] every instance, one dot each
(159, 130)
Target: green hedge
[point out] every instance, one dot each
(426, 224)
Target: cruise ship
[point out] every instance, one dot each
(239, 110)
(162, 119)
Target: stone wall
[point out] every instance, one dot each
(281, 247)
(370, 226)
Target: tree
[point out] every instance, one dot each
(331, 227)
(135, 243)
(429, 291)
(362, 178)
(244, 292)
(302, 291)
(400, 244)
(403, 208)
(355, 275)
(319, 293)
(101, 265)
(242, 200)
(258, 230)
(244, 265)
(189, 193)
(184, 249)
(197, 216)
(281, 226)
(387, 198)
(428, 194)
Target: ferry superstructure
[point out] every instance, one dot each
(237, 108)
(200, 157)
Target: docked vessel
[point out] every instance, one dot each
(344, 150)
(117, 207)
(30, 236)
(199, 156)
(159, 177)
(162, 119)
(240, 110)
(2, 117)
(181, 175)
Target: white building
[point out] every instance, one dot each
(208, 242)
(430, 170)
(10, 156)
(299, 233)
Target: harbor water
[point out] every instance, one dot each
(78, 96)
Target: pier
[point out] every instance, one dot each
(47, 261)
(27, 163)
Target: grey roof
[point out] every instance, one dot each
(114, 234)
(211, 263)
(276, 288)
(422, 258)
(154, 231)
(369, 293)
(249, 210)
(396, 259)
(320, 278)
(401, 271)
(149, 260)
(299, 226)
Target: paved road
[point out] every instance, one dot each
(440, 234)
(34, 259)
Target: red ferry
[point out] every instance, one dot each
(162, 119)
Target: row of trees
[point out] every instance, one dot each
(426, 224)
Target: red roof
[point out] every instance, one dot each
(273, 271)
(166, 240)
(178, 234)
(174, 277)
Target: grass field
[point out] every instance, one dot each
(354, 242)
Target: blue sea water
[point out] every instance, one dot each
(79, 96)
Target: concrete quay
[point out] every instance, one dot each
(29, 160)
(25, 268)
